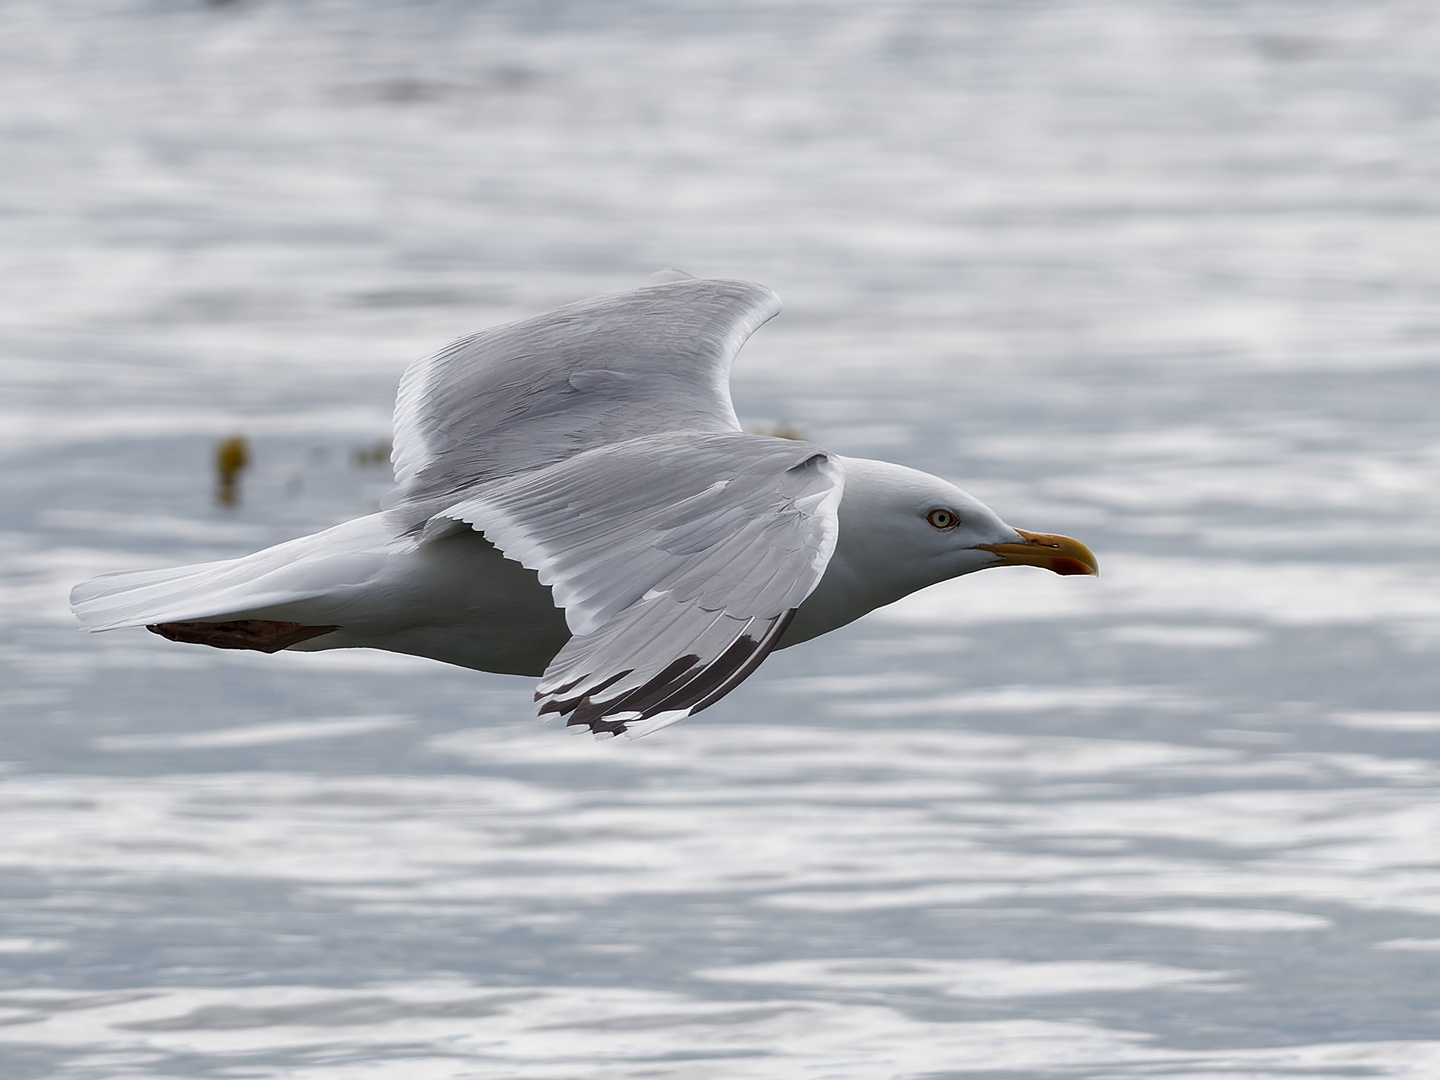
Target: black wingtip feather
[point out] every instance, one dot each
(684, 685)
(590, 711)
(716, 688)
(562, 706)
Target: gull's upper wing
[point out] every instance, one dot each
(679, 560)
(529, 394)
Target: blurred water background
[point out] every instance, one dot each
(1161, 275)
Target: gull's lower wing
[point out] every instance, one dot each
(627, 678)
(678, 559)
(531, 393)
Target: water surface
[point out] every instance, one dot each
(1158, 275)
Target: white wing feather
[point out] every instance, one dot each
(678, 560)
(528, 394)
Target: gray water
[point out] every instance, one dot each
(1159, 275)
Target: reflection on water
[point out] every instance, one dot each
(1160, 276)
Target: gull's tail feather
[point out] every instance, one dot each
(305, 580)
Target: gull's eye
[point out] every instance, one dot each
(943, 519)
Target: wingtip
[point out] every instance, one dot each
(631, 724)
(640, 728)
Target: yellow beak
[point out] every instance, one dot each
(1058, 553)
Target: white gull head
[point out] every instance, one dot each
(902, 530)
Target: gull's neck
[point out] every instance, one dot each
(864, 573)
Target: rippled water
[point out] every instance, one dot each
(1158, 275)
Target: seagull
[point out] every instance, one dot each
(575, 499)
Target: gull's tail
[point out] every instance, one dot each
(306, 580)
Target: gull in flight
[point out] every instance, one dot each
(575, 499)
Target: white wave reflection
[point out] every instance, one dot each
(1221, 919)
(453, 1029)
(970, 978)
(1184, 637)
(1020, 699)
(252, 734)
(1389, 721)
(33, 429)
(30, 945)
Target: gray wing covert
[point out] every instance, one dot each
(528, 394)
(679, 561)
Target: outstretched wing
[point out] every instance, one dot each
(679, 561)
(531, 393)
